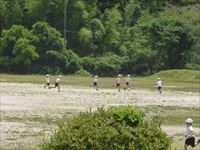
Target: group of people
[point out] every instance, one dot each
(159, 83)
(117, 82)
(57, 82)
(95, 83)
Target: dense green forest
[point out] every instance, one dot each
(104, 37)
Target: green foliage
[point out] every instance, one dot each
(128, 116)
(82, 72)
(108, 65)
(48, 38)
(24, 52)
(88, 64)
(56, 60)
(151, 35)
(85, 36)
(10, 37)
(74, 61)
(181, 75)
(17, 49)
(103, 130)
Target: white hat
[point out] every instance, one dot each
(47, 75)
(158, 78)
(96, 76)
(189, 120)
(128, 75)
(119, 75)
(59, 76)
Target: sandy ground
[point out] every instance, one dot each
(27, 108)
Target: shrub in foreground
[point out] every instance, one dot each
(115, 128)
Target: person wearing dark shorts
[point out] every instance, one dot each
(95, 82)
(57, 83)
(159, 85)
(189, 135)
(47, 82)
(118, 85)
(159, 88)
(118, 82)
(127, 82)
(190, 142)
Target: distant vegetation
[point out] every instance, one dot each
(115, 128)
(179, 75)
(103, 37)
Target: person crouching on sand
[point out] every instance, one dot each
(127, 80)
(159, 85)
(118, 82)
(95, 84)
(189, 135)
(47, 82)
(57, 83)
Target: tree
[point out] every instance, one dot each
(111, 37)
(2, 14)
(10, 37)
(13, 14)
(24, 53)
(132, 12)
(17, 50)
(85, 36)
(47, 38)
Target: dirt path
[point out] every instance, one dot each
(27, 109)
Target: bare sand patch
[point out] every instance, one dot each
(26, 108)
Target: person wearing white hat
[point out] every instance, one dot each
(127, 81)
(159, 85)
(95, 84)
(57, 83)
(118, 80)
(189, 135)
(47, 81)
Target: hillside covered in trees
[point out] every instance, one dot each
(104, 37)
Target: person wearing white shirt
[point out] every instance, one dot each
(127, 80)
(159, 85)
(95, 82)
(118, 80)
(57, 83)
(47, 81)
(189, 135)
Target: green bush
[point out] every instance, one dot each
(88, 64)
(82, 72)
(115, 128)
(192, 66)
(108, 65)
(74, 63)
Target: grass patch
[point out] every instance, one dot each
(173, 115)
(179, 75)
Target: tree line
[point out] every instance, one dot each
(103, 37)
